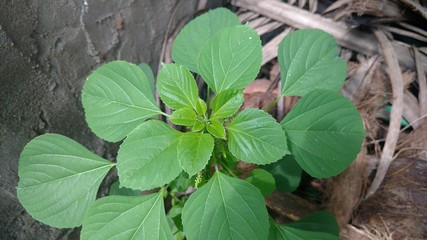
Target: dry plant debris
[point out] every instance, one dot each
(385, 49)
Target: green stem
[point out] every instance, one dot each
(229, 170)
(163, 190)
(175, 198)
(216, 168)
(165, 114)
(214, 158)
(208, 101)
(266, 109)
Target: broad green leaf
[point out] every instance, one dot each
(286, 172)
(274, 232)
(117, 97)
(231, 59)
(59, 179)
(149, 74)
(177, 87)
(321, 221)
(283, 232)
(319, 225)
(115, 189)
(189, 42)
(230, 159)
(199, 126)
(194, 151)
(225, 208)
(309, 60)
(127, 218)
(184, 117)
(325, 133)
(263, 180)
(215, 128)
(201, 107)
(227, 103)
(254, 136)
(148, 156)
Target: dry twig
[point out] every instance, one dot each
(396, 79)
(406, 33)
(422, 82)
(269, 51)
(346, 36)
(416, 7)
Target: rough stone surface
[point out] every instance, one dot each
(47, 49)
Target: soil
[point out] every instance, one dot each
(47, 49)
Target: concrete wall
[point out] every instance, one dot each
(47, 49)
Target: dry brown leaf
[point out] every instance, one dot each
(345, 191)
(256, 95)
(360, 77)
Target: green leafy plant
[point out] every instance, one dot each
(195, 168)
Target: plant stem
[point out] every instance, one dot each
(266, 109)
(208, 101)
(228, 170)
(214, 158)
(164, 114)
(163, 190)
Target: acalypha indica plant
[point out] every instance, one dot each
(194, 169)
